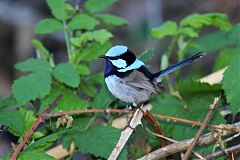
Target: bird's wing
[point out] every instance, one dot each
(138, 80)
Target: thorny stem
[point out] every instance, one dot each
(193, 123)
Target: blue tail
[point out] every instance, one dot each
(179, 65)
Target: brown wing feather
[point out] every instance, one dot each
(138, 80)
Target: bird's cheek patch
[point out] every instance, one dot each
(119, 63)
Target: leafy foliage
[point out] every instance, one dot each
(32, 87)
(47, 26)
(71, 79)
(83, 21)
(231, 84)
(169, 28)
(92, 140)
(112, 19)
(12, 119)
(86, 39)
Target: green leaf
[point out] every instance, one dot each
(35, 85)
(69, 101)
(47, 26)
(35, 155)
(83, 69)
(225, 57)
(198, 21)
(92, 140)
(103, 98)
(100, 36)
(190, 108)
(12, 119)
(41, 49)
(231, 83)
(43, 143)
(169, 28)
(112, 19)
(189, 88)
(93, 51)
(58, 9)
(33, 65)
(7, 102)
(97, 6)
(67, 74)
(146, 55)
(189, 31)
(83, 21)
(29, 118)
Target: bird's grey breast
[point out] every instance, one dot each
(120, 89)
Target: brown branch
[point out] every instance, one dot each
(201, 129)
(33, 127)
(183, 145)
(220, 153)
(151, 120)
(164, 117)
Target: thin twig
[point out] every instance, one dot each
(126, 133)
(161, 136)
(164, 117)
(183, 145)
(173, 141)
(33, 127)
(220, 153)
(201, 129)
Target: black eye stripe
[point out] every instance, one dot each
(128, 56)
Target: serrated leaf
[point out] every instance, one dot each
(225, 57)
(112, 19)
(58, 9)
(146, 55)
(40, 47)
(93, 51)
(103, 98)
(83, 69)
(169, 28)
(69, 101)
(92, 140)
(83, 21)
(43, 143)
(34, 155)
(47, 26)
(7, 102)
(231, 83)
(100, 36)
(197, 21)
(12, 119)
(33, 65)
(97, 6)
(67, 74)
(35, 85)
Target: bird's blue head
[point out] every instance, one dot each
(120, 59)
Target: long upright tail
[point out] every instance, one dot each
(178, 65)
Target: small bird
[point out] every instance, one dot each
(129, 80)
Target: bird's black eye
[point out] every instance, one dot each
(129, 57)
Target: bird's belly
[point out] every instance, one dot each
(126, 93)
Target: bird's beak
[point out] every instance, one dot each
(103, 56)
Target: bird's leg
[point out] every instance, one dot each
(135, 109)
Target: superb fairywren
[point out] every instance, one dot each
(129, 80)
